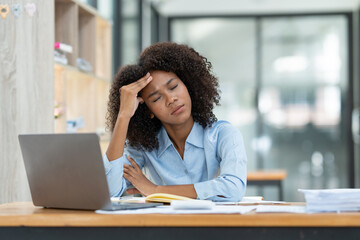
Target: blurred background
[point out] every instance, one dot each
(288, 72)
(286, 75)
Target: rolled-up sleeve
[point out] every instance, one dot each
(230, 185)
(114, 170)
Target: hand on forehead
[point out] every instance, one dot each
(160, 79)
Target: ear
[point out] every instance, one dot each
(152, 115)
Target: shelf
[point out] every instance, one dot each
(72, 68)
(79, 94)
(103, 50)
(89, 34)
(66, 27)
(87, 37)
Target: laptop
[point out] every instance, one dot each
(67, 171)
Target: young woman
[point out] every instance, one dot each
(165, 137)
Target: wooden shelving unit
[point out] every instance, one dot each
(80, 94)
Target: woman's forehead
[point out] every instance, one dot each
(159, 79)
(162, 74)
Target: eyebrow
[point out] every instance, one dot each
(156, 92)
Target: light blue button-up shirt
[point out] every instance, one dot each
(214, 161)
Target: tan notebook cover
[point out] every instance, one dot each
(164, 197)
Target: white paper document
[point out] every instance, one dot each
(332, 200)
(209, 207)
(280, 209)
(128, 199)
(171, 210)
(216, 209)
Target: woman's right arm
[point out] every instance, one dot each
(116, 146)
(114, 158)
(129, 102)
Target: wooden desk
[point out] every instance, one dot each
(266, 178)
(24, 221)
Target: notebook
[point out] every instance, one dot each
(67, 171)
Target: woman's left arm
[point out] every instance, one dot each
(145, 187)
(230, 185)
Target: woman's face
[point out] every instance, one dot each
(167, 98)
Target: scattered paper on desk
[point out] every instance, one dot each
(192, 204)
(332, 200)
(170, 210)
(280, 209)
(252, 199)
(260, 202)
(129, 199)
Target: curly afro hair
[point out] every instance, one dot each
(193, 69)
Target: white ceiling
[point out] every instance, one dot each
(230, 7)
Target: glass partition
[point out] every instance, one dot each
(284, 83)
(302, 100)
(228, 43)
(131, 28)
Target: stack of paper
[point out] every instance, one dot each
(332, 200)
(170, 210)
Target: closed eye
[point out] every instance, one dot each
(156, 99)
(174, 87)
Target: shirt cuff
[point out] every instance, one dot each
(219, 189)
(203, 190)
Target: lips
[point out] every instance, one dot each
(177, 109)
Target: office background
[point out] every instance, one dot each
(288, 73)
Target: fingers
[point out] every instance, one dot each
(141, 83)
(128, 173)
(133, 191)
(128, 177)
(131, 172)
(133, 163)
(129, 99)
(128, 170)
(134, 88)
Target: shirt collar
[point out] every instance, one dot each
(164, 141)
(196, 138)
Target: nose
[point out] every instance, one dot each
(170, 100)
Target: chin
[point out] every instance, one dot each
(178, 120)
(183, 119)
